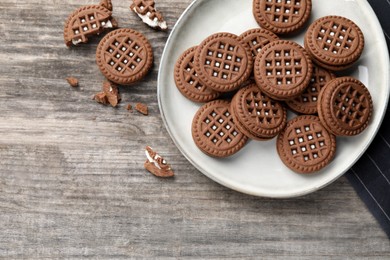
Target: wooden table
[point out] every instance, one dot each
(72, 182)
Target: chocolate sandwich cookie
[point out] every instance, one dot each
(146, 10)
(187, 80)
(223, 62)
(282, 16)
(283, 70)
(345, 106)
(124, 56)
(256, 115)
(214, 130)
(257, 39)
(305, 146)
(334, 42)
(87, 21)
(306, 103)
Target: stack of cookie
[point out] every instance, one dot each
(248, 81)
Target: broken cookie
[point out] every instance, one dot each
(142, 108)
(101, 98)
(157, 165)
(112, 93)
(147, 12)
(87, 21)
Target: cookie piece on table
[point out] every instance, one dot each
(157, 165)
(124, 56)
(215, 132)
(256, 115)
(282, 16)
(283, 70)
(223, 61)
(187, 80)
(305, 146)
(345, 106)
(87, 21)
(147, 12)
(334, 42)
(306, 103)
(257, 38)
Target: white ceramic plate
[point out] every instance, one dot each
(257, 169)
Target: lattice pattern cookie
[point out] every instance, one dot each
(282, 16)
(345, 106)
(124, 56)
(305, 146)
(257, 39)
(223, 62)
(214, 130)
(334, 42)
(146, 10)
(283, 70)
(87, 21)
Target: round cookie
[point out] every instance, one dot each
(87, 21)
(187, 80)
(306, 103)
(223, 62)
(345, 106)
(214, 130)
(283, 70)
(282, 16)
(258, 116)
(257, 38)
(305, 146)
(334, 42)
(124, 56)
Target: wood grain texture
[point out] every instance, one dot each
(72, 182)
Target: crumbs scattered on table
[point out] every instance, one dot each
(73, 82)
(142, 108)
(129, 107)
(157, 165)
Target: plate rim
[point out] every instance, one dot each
(192, 5)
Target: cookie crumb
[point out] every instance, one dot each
(157, 165)
(73, 82)
(147, 12)
(101, 98)
(112, 93)
(129, 107)
(142, 108)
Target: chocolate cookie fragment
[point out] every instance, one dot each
(124, 56)
(223, 61)
(187, 80)
(305, 146)
(87, 21)
(142, 108)
(157, 165)
(283, 70)
(146, 10)
(334, 42)
(345, 106)
(112, 93)
(282, 16)
(73, 82)
(215, 132)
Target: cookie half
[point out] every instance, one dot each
(214, 130)
(345, 106)
(87, 21)
(305, 146)
(258, 116)
(306, 103)
(257, 38)
(223, 62)
(187, 80)
(124, 56)
(282, 16)
(283, 70)
(334, 42)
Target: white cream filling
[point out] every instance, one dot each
(152, 23)
(153, 160)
